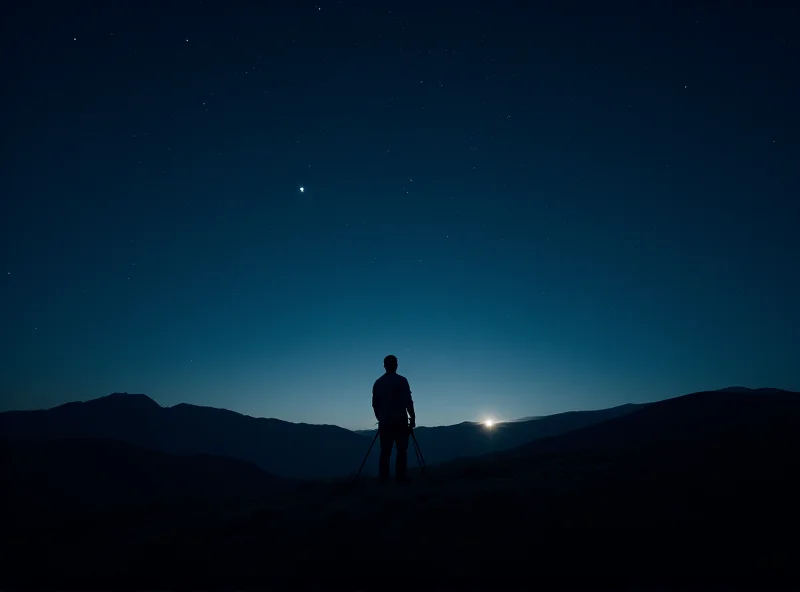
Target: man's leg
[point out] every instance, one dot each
(401, 464)
(387, 440)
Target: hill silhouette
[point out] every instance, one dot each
(694, 491)
(468, 439)
(282, 448)
(279, 447)
(676, 431)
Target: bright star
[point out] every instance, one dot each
(302, 190)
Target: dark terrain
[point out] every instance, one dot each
(47, 482)
(695, 491)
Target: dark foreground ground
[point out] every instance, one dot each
(628, 504)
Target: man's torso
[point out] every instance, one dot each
(391, 394)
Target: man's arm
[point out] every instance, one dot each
(410, 406)
(374, 401)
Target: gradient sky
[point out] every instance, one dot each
(537, 206)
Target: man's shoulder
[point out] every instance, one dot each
(391, 378)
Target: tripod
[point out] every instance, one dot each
(417, 451)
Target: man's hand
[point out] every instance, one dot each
(412, 423)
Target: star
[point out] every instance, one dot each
(302, 190)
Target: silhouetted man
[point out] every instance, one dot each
(391, 401)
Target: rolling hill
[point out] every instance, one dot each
(279, 447)
(468, 439)
(291, 450)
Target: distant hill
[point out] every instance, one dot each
(279, 447)
(365, 432)
(470, 439)
(680, 434)
(751, 391)
(289, 449)
(686, 420)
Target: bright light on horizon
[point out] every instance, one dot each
(489, 423)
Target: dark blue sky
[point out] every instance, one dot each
(537, 207)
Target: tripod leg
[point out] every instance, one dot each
(363, 462)
(418, 451)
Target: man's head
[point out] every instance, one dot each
(390, 363)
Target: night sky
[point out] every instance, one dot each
(536, 206)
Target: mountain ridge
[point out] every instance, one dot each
(282, 448)
(286, 449)
(187, 429)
